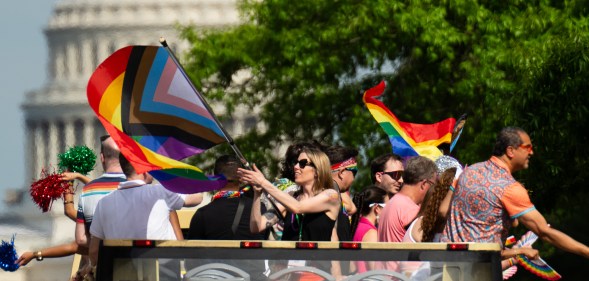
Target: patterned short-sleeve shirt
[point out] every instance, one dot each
(485, 202)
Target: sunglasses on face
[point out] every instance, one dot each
(527, 147)
(303, 163)
(379, 204)
(354, 170)
(396, 175)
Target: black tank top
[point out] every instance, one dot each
(315, 227)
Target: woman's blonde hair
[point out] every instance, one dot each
(323, 179)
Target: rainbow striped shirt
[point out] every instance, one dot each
(93, 192)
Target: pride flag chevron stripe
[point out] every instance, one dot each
(154, 115)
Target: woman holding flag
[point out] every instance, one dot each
(311, 212)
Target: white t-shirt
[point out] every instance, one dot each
(136, 211)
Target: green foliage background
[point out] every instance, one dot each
(519, 63)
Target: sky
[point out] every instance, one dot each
(24, 59)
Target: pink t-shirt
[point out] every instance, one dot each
(399, 212)
(364, 226)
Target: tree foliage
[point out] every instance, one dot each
(521, 63)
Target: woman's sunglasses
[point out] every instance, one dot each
(303, 163)
(375, 204)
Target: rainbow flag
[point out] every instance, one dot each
(538, 266)
(150, 109)
(408, 139)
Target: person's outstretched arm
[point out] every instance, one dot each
(193, 200)
(70, 176)
(324, 201)
(62, 250)
(535, 222)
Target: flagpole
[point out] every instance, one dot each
(204, 102)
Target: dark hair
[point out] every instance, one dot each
(363, 199)
(508, 136)
(126, 166)
(432, 223)
(227, 165)
(109, 151)
(338, 154)
(379, 163)
(291, 156)
(419, 168)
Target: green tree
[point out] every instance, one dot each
(504, 63)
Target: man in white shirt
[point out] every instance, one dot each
(136, 210)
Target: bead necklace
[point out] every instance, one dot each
(230, 193)
(299, 219)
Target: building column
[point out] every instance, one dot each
(59, 62)
(102, 49)
(86, 54)
(69, 133)
(71, 60)
(39, 150)
(30, 149)
(52, 144)
(89, 138)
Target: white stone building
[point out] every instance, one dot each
(80, 35)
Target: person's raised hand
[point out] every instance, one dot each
(69, 176)
(253, 177)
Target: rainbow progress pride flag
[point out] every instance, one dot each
(155, 116)
(408, 139)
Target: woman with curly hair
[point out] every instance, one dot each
(431, 218)
(430, 222)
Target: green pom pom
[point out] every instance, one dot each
(79, 159)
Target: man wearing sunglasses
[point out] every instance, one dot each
(387, 173)
(420, 175)
(487, 195)
(343, 171)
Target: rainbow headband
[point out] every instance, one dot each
(349, 163)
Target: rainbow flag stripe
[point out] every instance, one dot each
(408, 139)
(538, 267)
(156, 118)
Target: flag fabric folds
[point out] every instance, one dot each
(408, 139)
(155, 116)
